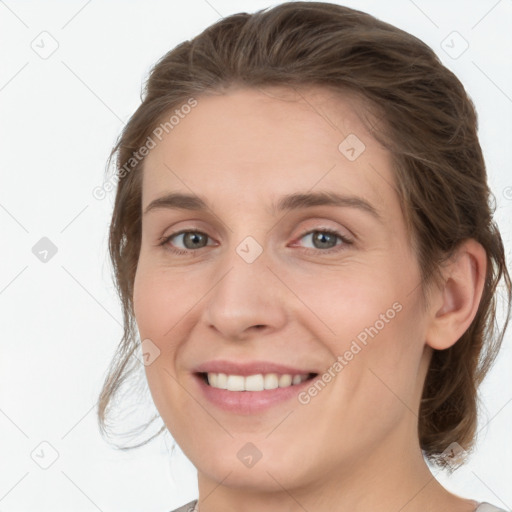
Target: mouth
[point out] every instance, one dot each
(250, 388)
(254, 383)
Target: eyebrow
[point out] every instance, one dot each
(295, 201)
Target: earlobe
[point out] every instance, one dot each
(458, 299)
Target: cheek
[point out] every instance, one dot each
(157, 314)
(348, 305)
(373, 322)
(159, 301)
(382, 377)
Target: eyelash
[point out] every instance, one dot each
(192, 252)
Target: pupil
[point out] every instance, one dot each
(193, 237)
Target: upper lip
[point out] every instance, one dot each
(252, 368)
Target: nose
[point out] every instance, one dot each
(248, 299)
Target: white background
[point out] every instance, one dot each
(60, 320)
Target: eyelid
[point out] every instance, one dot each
(345, 241)
(327, 229)
(165, 238)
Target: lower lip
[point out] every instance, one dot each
(249, 402)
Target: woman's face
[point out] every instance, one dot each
(271, 283)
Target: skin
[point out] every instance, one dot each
(354, 446)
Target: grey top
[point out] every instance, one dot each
(483, 507)
(189, 507)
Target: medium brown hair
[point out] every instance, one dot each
(426, 120)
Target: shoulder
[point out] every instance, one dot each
(483, 507)
(487, 507)
(189, 507)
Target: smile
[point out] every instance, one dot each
(257, 382)
(251, 393)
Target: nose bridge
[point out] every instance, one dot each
(246, 293)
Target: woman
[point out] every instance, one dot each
(302, 238)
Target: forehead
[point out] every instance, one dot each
(256, 143)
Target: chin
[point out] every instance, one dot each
(262, 466)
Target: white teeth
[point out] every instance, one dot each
(271, 381)
(253, 382)
(222, 380)
(235, 383)
(285, 380)
(213, 379)
(258, 382)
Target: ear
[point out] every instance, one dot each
(455, 303)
